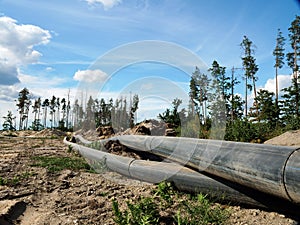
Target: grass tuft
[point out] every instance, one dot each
(55, 164)
(168, 206)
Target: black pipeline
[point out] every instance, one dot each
(183, 178)
(274, 170)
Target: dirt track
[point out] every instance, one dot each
(37, 196)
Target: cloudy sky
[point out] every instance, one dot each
(115, 47)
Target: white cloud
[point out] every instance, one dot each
(49, 69)
(8, 93)
(283, 82)
(90, 76)
(107, 4)
(17, 44)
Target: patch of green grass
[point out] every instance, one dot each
(17, 179)
(200, 211)
(166, 192)
(144, 211)
(56, 163)
(3, 181)
(178, 209)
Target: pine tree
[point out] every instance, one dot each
(267, 112)
(68, 110)
(58, 111)
(199, 85)
(279, 59)
(62, 122)
(220, 91)
(287, 107)
(236, 107)
(89, 114)
(76, 109)
(9, 122)
(293, 58)
(250, 68)
(236, 103)
(45, 106)
(52, 107)
(133, 108)
(36, 124)
(172, 116)
(23, 106)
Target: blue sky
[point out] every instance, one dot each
(52, 46)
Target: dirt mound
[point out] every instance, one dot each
(289, 138)
(91, 135)
(105, 132)
(22, 133)
(152, 127)
(50, 133)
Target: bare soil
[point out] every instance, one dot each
(75, 197)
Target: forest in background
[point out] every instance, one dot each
(215, 110)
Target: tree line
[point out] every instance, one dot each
(213, 102)
(60, 114)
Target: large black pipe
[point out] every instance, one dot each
(184, 179)
(274, 170)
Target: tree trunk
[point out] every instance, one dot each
(255, 101)
(246, 97)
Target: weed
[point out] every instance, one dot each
(103, 194)
(17, 179)
(166, 192)
(190, 210)
(26, 175)
(56, 164)
(70, 149)
(144, 212)
(3, 181)
(200, 211)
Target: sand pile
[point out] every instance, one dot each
(289, 138)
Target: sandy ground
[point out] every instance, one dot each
(75, 197)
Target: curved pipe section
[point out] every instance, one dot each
(270, 169)
(184, 179)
